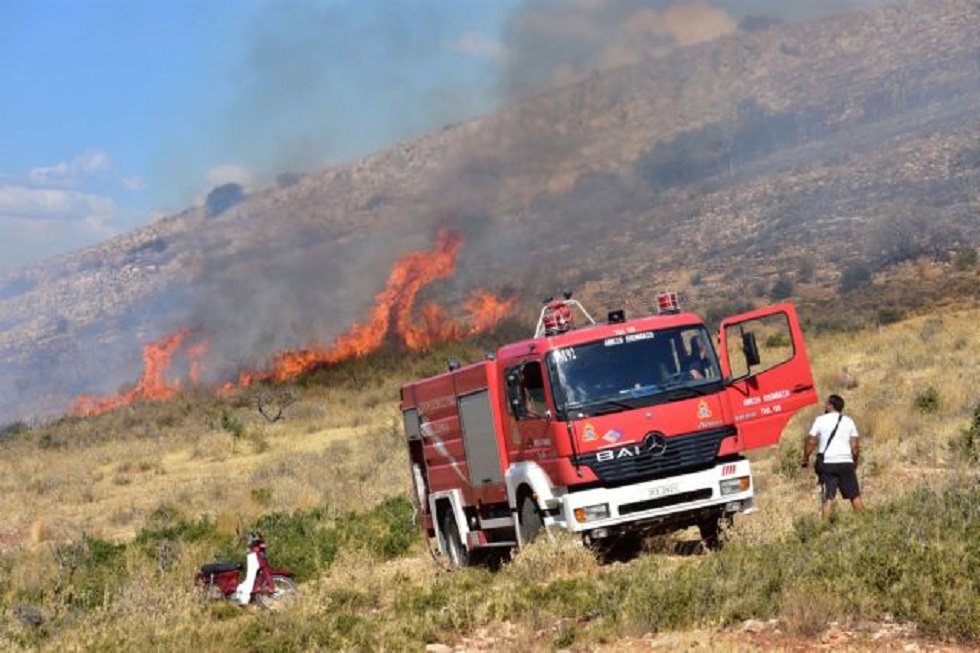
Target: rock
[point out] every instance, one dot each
(753, 626)
(438, 648)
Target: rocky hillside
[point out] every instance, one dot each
(796, 153)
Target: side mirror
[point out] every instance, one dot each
(751, 349)
(514, 398)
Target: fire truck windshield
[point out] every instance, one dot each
(634, 370)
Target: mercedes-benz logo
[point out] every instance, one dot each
(655, 444)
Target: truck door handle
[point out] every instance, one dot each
(802, 388)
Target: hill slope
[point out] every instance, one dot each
(792, 152)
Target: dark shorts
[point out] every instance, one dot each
(839, 476)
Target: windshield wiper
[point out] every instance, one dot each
(641, 391)
(683, 387)
(600, 406)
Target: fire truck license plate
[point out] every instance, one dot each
(662, 491)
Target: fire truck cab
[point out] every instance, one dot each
(610, 430)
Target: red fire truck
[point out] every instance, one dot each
(609, 430)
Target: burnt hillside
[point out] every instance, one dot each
(796, 154)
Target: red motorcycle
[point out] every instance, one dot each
(271, 588)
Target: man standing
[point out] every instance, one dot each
(835, 437)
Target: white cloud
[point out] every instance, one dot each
(57, 208)
(52, 204)
(228, 173)
(475, 44)
(69, 173)
(41, 222)
(28, 241)
(133, 183)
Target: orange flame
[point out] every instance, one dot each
(411, 273)
(391, 316)
(194, 355)
(486, 311)
(152, 385)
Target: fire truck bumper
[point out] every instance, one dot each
(677, 502)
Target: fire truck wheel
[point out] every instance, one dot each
(714, 529)
(531, 522)
(458, 555)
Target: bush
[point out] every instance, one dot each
(778, 341)
(965, 258)
(889, 316)
(782, 289)
(718, 312)
(854, 276)
(223, 198)
(307, 541)
(13, 429)
(232, 424)
(806, 270)
(968, 445)
(928, 401)
(288, 179)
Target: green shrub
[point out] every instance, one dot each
(854, 276)
(303, 541)
(806, 270)
(781, 289)
(232, 424)
(13, 429)
(968, 444)
(965, 258)
(387, 530)
(778, 341)
(928, 401)
(262, 496)
(889, 316)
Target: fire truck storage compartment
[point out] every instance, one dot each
(480, 439)
(412, 430)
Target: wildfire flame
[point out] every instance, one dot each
(152, 385)
(391, 317)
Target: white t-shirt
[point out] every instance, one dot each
(840, 447)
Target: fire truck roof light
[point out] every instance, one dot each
(556, 315)
(668, 303)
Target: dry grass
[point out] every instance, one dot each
(339, 447)
(106, 487)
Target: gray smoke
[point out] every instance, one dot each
(552, 43)
(324, 82)
(320, 82)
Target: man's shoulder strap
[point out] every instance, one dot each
(834, 432)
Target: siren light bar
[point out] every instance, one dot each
(556, 315)
(667, 303)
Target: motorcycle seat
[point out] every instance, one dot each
(219, 567)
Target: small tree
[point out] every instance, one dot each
(806, 270)
(782, 289)
(222, 198)
(287, 179)
(854, 276)
(966, 258)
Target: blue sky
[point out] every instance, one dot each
(113, 112)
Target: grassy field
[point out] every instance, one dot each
(106, 519)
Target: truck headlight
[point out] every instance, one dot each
(735, 485)
(592, 513)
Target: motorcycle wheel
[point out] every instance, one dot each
(282, 597)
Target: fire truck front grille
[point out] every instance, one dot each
(683, 453)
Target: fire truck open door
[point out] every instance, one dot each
(763, 355)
